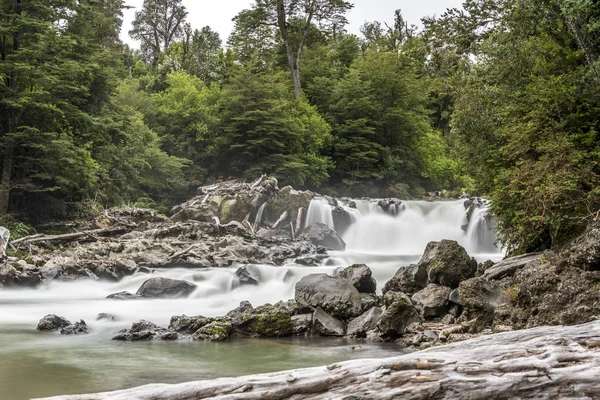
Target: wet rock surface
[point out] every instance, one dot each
(165, 288)
(336, 296)
(52, 322)
(322, 235)
(447, 263)
(360, 276)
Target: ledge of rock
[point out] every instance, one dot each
(544, 363)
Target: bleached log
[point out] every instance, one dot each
(541, 363)
(282, 218)
(70, 237)
(299, 220)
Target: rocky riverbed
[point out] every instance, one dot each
(261, 236)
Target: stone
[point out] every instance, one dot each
(216, 331)
(341, 219)
(584, 252)
(248, 275)
(509, 266)
(336, 296)
(432, 301)
(322, 235)
(326, 325)
(360, 276)
(123, 296)
(188, 325)
(479, 299)
(447, 263)
(301, 324)
(408, 280)
(360, 325)
(106, 317)
(263, 321)
(52, 322)
(143, 331)
(78, 328)
(397, 316)
(165, 288)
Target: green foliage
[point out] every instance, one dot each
(17, 228)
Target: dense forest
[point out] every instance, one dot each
(500, 99)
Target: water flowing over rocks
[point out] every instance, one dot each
(322, 235)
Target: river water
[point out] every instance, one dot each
(36, 364)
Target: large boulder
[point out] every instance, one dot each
(336, 296)
(326, 325)
(188, 325)
(20, 274)
(398, 315)
(361, 277)
(408, 280)
(432, 301)
(584, 252)
(52, 322)
(479, 299)
(341, 219)
(322, 235)
(368, 321)
(287, 200)
(263, 321)
(165, 288)
(301, 324)
(447, 263)
(248, 274)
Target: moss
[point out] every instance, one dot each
(215, 331)
(278, 323)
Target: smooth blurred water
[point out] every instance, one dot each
(42, 364)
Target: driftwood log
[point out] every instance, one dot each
(540, 363)
(70, 237)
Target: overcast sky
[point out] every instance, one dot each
(218, 14)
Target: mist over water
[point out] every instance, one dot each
(42, 364)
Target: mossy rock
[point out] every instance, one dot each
(289, 200)
(215, 331)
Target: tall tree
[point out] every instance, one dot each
(327, 15)
(157, 25)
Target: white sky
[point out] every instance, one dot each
(218, 14)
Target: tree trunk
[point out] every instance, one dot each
(294, 67)
(7, 162)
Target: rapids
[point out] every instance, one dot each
(43, 364)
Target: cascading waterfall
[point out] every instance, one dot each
(405, 229)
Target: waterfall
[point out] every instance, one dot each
(406, 228)
(259, 215)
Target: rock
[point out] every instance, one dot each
(408, 280)
(360, 325)
(397, 316)
(123, 296)
(326, 325)
(244, 308)
(188, 325)
(4, 238)
(432, 301)
(161, 288)
(106, 317)
(301, 324)
(263, 321)
(52, 322)
(78, 328)
(336, 296)
(322, 235)
(145, 330)
(19, 275)
(584, 252)
(216, 331)
(287, 199)
(274, 234)
(248, 274)
(369, 300)
(447, 263)
(479, 298)
(509, 266)
(360, 276)
(341, 219)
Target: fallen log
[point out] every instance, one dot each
(299, 220)
(541, 363)
(70, 237)
(282, 218)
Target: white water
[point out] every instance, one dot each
(384, 241)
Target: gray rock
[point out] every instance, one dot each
(326, 325)
(301, 324)
(106, 317)
(479, 299)
(145, 330)
(322, 235)
(163, 288)
(123, 296)
(432, 301)
(188, 325)
(584, 252)
(216, 331)
(408, 280)
(78, 328)
(360, 325)
(360, 276)
(52, 322)
(447, 263)
(336, 296)
(509, 266)
(397, 316)
(248, 274)
(341, 219)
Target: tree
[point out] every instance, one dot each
(327, 15)
(265, 130)
(252, 39)
(202, 55)
(157, 25)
